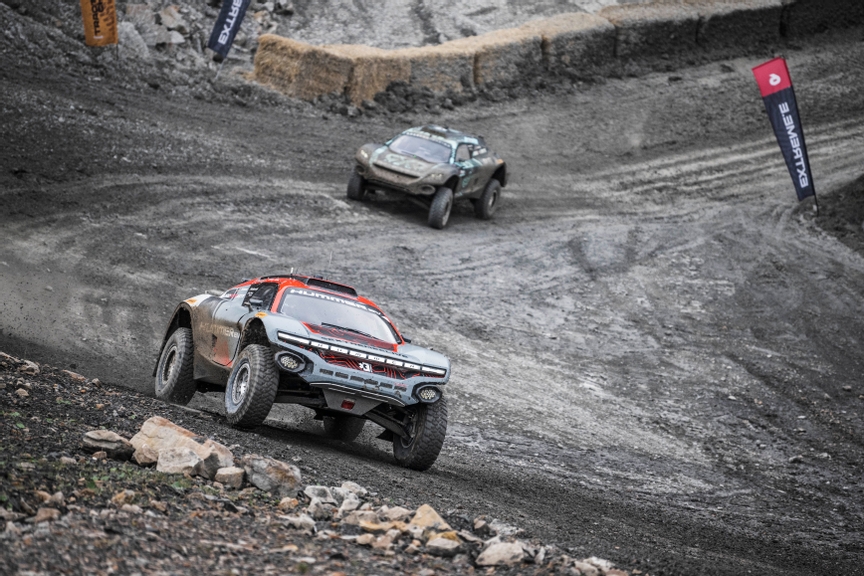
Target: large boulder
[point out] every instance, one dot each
(160, 434)
(271, 475)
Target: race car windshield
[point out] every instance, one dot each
(324, 310)
(422, 148)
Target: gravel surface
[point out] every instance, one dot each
(656, 351)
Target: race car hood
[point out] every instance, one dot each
(408, 165)
(407, 352)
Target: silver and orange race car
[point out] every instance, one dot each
(313, 342)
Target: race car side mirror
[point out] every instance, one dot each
(406, 339)
(256, 302)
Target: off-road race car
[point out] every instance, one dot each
(433, 166)
(308, 341)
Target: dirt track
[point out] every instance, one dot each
(642, 338)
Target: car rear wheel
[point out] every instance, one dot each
(251, 387)
(174, 374)
(356, 186)
(442, 203)
(428, 428)
(345, 428)
(486, 205)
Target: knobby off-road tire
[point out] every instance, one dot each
(486, 205)
(174, 374)
(442, 203)
(356, 186)
(345, 428)
(430, 427)
(251, 387)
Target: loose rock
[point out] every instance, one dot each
(231, 477)
(501, 554)
(124, 497)
(114, 445)
(427, 517)
(271, 475)
(301, 522)
(178, 461)
(161, 434)
(322, 493)
(145, 456)
(445, 547)
(355, 489)
(29, 367)
(44, 515)
(396, 513)
(320, 510)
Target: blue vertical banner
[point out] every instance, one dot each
(775, 84)
(227, 25)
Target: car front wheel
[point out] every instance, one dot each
(486, 205)
(442, 203)
(251, 387)
(356, 186)
(174, 374)
(428, 428)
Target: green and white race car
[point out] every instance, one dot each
(434, 165)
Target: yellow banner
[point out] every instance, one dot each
(100, 22)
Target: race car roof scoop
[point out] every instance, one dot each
(332, 286)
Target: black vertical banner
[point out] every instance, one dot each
(779, 98)
(227, 25)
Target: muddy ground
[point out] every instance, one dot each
(656, 350)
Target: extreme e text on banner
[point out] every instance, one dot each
(779, 97)
(227, 25)
(100, 22)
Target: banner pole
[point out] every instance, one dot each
(815, 205)
(222, 63)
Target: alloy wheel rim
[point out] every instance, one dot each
(240, 385)
(169, 366)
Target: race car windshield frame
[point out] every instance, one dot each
(317, 308)
(428, 150)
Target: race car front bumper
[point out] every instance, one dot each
(390, 180)
(354, 380)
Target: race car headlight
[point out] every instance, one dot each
(428, 394)
(290, 362)
(364, 154)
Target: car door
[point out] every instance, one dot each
(467, 171)
(231, 315)
(486, 165)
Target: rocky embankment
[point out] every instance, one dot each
(98, 480)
